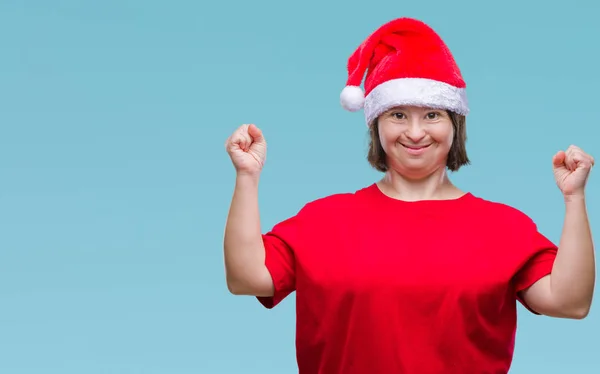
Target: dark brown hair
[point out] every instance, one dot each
(457, 156)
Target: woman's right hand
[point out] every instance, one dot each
(244, 248)
(247, 149)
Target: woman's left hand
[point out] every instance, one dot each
(571, 170)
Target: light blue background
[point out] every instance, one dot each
(114, 183)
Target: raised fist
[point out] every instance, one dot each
(571, 170)
(248, 149)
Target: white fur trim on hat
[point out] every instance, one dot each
(414, 91)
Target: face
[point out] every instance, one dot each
(416, 140)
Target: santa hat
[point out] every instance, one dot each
(406, 63)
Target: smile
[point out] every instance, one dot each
(415, 150)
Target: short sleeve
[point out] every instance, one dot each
(542, 253)
(280, 244)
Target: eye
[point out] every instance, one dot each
(433, 115)
(398, 115)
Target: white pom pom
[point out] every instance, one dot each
(352, 98)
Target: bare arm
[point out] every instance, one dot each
(243, 245)
(244, 250)
(568, 291)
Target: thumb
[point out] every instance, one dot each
(256, 134)
(559, 159)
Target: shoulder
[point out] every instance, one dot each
(338, 202)
(324, 212)
(507, 228)
(502, 214)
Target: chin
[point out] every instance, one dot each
(414, 163)
(415, 168)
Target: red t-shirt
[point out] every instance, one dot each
(388, 286)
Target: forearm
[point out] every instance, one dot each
(243, 245)
(573, 274)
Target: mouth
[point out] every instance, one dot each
(415, 149)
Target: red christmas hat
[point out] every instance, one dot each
(406, 63)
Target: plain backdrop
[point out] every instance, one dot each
(115, 186)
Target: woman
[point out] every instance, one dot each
(409, 274)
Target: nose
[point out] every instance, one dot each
(415, 132)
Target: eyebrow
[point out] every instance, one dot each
(404, 107)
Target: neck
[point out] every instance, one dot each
(436, 186)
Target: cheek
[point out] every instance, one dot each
(388, 140)
(444, 137)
